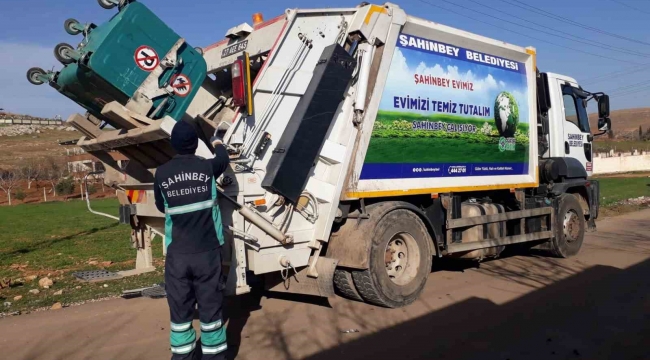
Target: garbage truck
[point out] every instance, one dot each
(365, 143)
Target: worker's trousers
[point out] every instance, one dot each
(192, 279)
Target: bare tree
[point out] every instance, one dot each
(55, 170)
(30, 172)
(8, 180)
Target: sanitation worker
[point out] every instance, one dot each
(186, 193)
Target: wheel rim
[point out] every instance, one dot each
(64, 52)
(33, 76)
(571, 226)
(402, 258)
(72, 31)
(106, 5)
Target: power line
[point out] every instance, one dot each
(572, 22)
(631, 92)
(516, 32)
(630, 6)
(571, 38)
(608, 76)
(628, 87)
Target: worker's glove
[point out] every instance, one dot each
(217, 138)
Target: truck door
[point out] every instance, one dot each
(577, 135)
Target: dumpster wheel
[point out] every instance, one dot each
(33, 76)
(106, 4)
(62, 53)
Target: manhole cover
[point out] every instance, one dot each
(96, 275)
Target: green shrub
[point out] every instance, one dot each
(91, 189)
(20, 195)
(65, 187)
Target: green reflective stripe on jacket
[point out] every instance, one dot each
(168, 223)
(216, 214)
(203, 205)
(186, 209)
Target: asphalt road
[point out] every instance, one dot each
(593, 306)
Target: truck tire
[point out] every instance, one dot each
(345, 285)
(570, 228)
(399, 261)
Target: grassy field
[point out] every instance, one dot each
(16, 150)
(59, 238)
(616, 189)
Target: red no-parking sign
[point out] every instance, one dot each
(146, 58)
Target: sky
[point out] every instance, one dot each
(617, 29)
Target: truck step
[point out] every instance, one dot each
(509, 240)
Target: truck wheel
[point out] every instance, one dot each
(570, 228)
(62, 53)
(33, 74)
(345, 285)
(399, 261)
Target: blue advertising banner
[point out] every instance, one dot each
(447, 111)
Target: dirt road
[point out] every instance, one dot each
(593, 306)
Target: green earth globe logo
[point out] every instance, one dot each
(506, 114)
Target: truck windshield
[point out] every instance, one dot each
(574, 109)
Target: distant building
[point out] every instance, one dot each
(81, 163)
(16, 119)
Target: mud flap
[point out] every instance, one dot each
(300, 283)
(594, 204)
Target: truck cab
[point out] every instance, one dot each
(569, 130)
(567, 134)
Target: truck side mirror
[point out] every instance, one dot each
(603, 107)
(604, 124)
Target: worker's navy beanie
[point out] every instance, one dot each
(184, 138)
